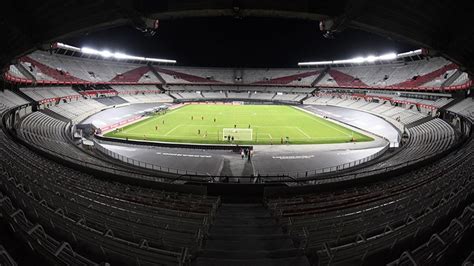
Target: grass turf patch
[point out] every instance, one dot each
(269, 124)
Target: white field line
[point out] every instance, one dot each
(148, 122)
(299, 129)
(173, 129)
(313, 116)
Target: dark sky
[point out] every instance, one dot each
(248, 42)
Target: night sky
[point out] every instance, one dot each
(231, 42)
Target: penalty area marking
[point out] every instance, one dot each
(315, 117)
(173, 129)
(299, 129)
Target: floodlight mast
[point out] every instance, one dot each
(360, 60)
(108, 54)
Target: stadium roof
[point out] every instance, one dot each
(442, 27)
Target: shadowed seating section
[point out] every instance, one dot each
(355, 224)
(5, 258)
(436, 248)
(111, 222)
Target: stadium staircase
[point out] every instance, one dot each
(56, 115)
(25, 72)
(419, 122)
(23, 95)
(452, 78)
(319, 77)
(246, 234)
(157, 75)
(305, 97)
(160, 87)
(452, 103)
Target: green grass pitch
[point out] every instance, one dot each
(269, 124)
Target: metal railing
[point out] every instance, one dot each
(146, 165)
(272, 175)
(329, 169)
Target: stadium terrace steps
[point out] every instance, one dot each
(78, 208)
(344, 79)
(246, 234)
(439, 244)
(288, 79)
(184, 76)
(25, 72)
(131, 76)
(352, 225)
(469, 260)
(111, 101)
(51, 72)
(23, 95)
(452, 78)
(420, 80)
(419, 122)
(5, 258)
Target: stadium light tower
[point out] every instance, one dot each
(360, 59)
(108, 54)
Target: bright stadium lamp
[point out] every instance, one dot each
(359, 59)
(389, 56)
(106, 54)
(120, 55)
(371, 58)
(116, 55)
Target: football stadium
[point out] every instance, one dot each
(236, 133)
(221, 124)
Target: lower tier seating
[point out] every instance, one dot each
(435, 249)
(103, 219)
(351, 225)
(5, 258)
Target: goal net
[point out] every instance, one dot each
(243, 134)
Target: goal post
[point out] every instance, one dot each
(239, 134)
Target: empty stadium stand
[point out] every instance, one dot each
(433, 74)
(153, 225)
(77, 206)
(353, 224)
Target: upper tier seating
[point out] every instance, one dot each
(81, 68)
(411, 74)
(42, 93)
(429, 72)
(14, 71)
